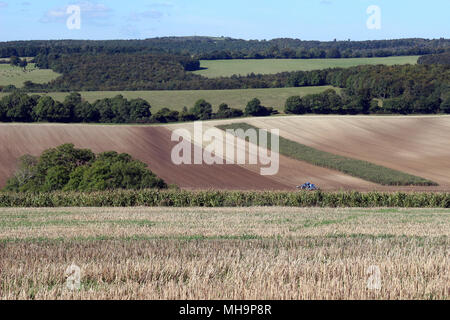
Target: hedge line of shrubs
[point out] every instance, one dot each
(178, 198)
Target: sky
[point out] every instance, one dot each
(244, 19)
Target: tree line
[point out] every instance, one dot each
(228, 48)
(329, 102)
(21, 107)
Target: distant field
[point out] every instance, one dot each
(227, 253)
(176, 100)
(226, 68)
(16, 76)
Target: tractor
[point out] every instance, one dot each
(308, 186)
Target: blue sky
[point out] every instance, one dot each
(246, 19)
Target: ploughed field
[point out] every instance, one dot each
(226, 253)
(151, 145)
(416, 145)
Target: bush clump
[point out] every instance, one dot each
(66, 168)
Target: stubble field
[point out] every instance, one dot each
(252, 253)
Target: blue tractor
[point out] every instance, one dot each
(308, 186)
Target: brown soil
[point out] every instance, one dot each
(416, 145)
(151, 145)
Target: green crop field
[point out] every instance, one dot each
(176, 100)
(16, 76)
(226, 68)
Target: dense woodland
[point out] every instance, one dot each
(442, 58)
(116, 71)
(228, 48)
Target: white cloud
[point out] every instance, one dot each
(90, 12)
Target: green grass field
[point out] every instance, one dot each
(354, 167)
(226, 68)
(176, 100)
(16, 76)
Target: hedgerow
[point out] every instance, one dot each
(181, 198)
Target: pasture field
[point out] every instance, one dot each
(176, 100)
(226, 253)
(227, 68)
(16, 76)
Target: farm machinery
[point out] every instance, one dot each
(308, 186)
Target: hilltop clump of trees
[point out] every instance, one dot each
(70, 169)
